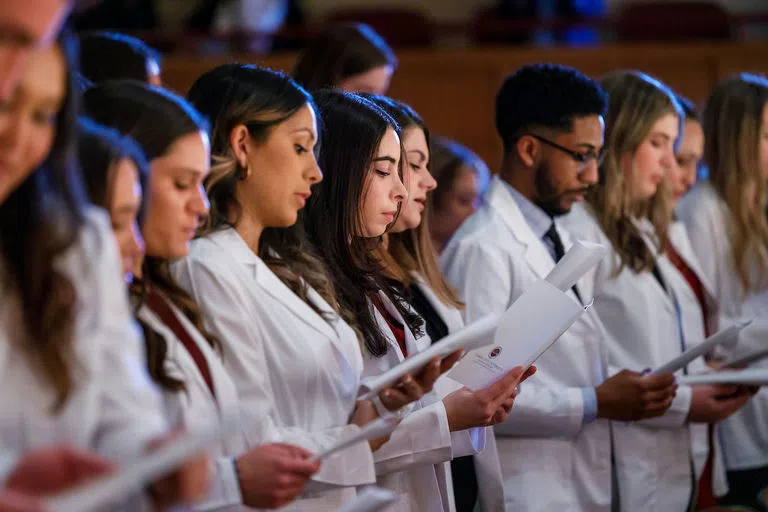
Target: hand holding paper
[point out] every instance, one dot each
(375, 429)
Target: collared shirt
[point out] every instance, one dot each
(540, 222)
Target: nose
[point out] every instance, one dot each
(590, 174)
(430, 183)
(200, 204)
(399, 191)
(136, 246)
(314, 174)
(668, 159)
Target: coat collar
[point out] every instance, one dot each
(231, 242)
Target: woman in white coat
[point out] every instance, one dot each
(197, 391)
(359, 198)
(726, 221)
(474, 479)
(294, 360)
(638, 295)
(70, 355)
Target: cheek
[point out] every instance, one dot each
(38, 146)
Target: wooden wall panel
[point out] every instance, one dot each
(454, 90)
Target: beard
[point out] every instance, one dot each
(547, 195)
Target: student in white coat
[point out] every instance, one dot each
(184, 363)
(726, 222)
(410, 258)
(71, 359)
(639, 296)
(555, 448)
(295, 362)
(359, 198)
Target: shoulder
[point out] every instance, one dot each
(701, 202)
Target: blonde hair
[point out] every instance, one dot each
(636, 103)
(732, 129)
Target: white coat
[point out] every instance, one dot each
(296, 374)
(411, 463)
(196, 407)
(114, 408)
(653, 457)
(487, 467)
(550, 459)
(744, 435)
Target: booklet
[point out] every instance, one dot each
(745, 359)
(132, 478)
(749, 377)
(529, 327)
(370, 499)
(377, 428)
(728, 337)
(581, 257)
(477, 334)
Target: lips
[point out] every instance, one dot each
(421, 202)
(303, 196)
(390, 216)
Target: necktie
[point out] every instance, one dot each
(557, 245)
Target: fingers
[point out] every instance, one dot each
(658, 408)
(650, 383)
(293, 450)
(11, 501)
(393, 399)
(83, 465)
(725, 390)
(447, 363)
(528, 373)
(298, 468)
(412, 389)
(657, 396)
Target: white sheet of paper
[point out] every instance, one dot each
(748, 377)
(746, 359)
(475, 335)
(132, 478)
(377, 428)
(727, 336)
(529, 327)
(581, 257)
(370, 499)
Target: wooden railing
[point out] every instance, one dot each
(454, 90)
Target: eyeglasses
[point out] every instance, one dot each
(583, 159)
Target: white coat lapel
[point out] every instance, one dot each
(268, 282)
(536, 254)
(646, 230)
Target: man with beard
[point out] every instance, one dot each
(555, 447)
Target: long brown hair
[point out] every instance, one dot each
(39, 222)
(413, 251)
(636, 102)
(155, 119)
(232, 95)
(732, 125)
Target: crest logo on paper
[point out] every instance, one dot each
(494, 353)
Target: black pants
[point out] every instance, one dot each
(747, 489)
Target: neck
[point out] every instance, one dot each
(518, 177)
(249, 226)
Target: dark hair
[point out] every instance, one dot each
(546, 96)
(353, 128)
(232, 95)
(690, 110)
(342, 51)
(155, 118)
(111, 56)
(100, 149)
(40, 221)
(446, 160)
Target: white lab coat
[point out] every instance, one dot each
(196, 408)
(550, 460)
(411, 463)
(653, 457)
(487, 467)
(114, 408)
(297, 375)
(744, 435)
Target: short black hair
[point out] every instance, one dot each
(548, 96)
(112, 56)
(690, 110)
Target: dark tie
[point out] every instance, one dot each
(557, 245)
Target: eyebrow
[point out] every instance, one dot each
(385, 159)
(422, 156)
(126, 208)
(662, 134)
(587, 145)
(11, 34)
(310, 132)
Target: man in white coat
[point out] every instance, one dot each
(555, 447)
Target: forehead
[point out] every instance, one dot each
(31, 23)
(189, 151)
(44, 78)
(667, 124)
(588, 129)
(390, 144)
(302, 119)
(414, 139)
